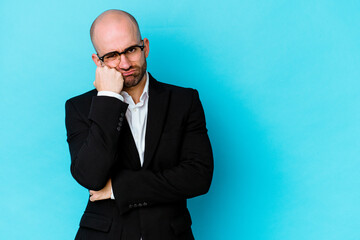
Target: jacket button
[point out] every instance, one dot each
(121, 119)
(122, 114)
(140, 205)
(131, 206)
(145, 204)
(135, 205)
(118, 128)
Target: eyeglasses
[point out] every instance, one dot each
(132, 53)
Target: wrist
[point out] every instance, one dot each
(110, 94)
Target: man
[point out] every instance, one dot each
(138, 145)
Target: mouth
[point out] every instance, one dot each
(125, 74)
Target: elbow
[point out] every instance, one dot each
(205, 186)
(201, 188)
(206, 178)
(203, 183)
(205, 174)
(87, 180)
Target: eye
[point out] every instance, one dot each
(111, 55)
(131, 50)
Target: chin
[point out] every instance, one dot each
(131, 81)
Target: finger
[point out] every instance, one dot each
(98, 69)
(97, 73)
(93, 197)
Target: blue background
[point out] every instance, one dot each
(279, 82)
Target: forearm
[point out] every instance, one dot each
(93, 140)
(190, 178)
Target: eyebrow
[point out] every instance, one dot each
(122, 51)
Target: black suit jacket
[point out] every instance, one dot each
(150, 201)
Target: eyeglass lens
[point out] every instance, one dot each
(132, 54)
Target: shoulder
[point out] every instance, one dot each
(182, 96)
(83, 98)
(81, 103)
(175, 91)
(182, 101)
(178, 89)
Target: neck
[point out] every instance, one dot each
(136, 91)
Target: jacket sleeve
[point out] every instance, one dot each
(93, 139)
(190, 178)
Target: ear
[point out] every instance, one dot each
(96, 60)
(146, 49)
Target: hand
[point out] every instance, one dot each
(102, 194)
(108, 79)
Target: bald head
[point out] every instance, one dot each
(113, 20)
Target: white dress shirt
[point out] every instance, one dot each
(136, 115)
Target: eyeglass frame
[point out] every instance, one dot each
(123, 52)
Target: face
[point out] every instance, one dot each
(118, 36)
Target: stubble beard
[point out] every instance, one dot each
(135, 79)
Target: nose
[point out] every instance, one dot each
(124, 62)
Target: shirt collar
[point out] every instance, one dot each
(144, 94)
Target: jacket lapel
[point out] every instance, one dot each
(157, 108)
